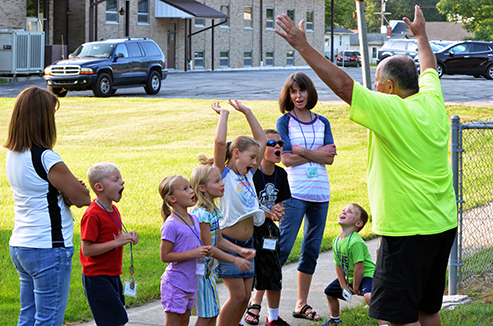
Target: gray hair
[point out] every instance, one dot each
(402, 71)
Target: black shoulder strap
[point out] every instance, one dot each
(57, 240)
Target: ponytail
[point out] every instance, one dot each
(166, 190)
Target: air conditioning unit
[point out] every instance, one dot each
(21, 52)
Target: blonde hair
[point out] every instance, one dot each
(165, 190)
(33, 120)
(200, 176)
(97, 172)
(363, 215)
(243, 143)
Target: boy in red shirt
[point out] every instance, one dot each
(103, 236)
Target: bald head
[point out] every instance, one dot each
(401, 70)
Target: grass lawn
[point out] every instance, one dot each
(149, 139)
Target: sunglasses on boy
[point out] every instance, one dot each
(273, 143)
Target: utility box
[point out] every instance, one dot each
(55, 52)
(21, 52)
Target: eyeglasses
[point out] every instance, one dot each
(273, 143)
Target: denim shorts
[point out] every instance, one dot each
(104, 294)
(229, 270)
(45, 281)
(314, 215)
(175, 300)
(334, 289)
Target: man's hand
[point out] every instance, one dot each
(295, 36)
(417, 27)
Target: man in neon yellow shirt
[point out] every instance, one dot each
(409, 177)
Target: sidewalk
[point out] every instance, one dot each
(152, 314)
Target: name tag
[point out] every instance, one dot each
(130, 288)
(312, 172)
(269, 243)
(200, 269)
(346, 294)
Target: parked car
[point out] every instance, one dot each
(402, 47)
(349, 58)
(105, 66)
(465, 58)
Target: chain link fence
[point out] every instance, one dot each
(471, 262)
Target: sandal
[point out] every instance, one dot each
(251, 314)
(303, 314)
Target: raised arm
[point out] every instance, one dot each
(220, 139)
(334, 77)
(257, 131)
(418, 28)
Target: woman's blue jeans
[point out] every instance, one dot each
(45, 281)
(315, 215)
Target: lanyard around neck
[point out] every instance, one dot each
(303, 133)
(122, 228)
(270, 200)
(346, 271)
(194, 230)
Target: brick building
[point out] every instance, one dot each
(182, 28)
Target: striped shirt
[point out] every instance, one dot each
(308, 181)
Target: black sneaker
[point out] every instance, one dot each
(277, 322)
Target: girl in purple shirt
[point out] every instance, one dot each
(181, 249)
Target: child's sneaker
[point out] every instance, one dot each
(277, 322)
(332, 321)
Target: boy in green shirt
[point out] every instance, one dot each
(354, 266)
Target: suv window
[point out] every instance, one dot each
(151, 49)
(461, 48)
(94, 50)
(122, 48)
(400, 45)
(135, 50)
(481, 47)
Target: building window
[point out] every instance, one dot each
(224, 59)
(309, 20)
(225, 10)
(198, 61)
(112, 11)
(290, 58)
(247, 17)
(247, 59)
(199, 22)
(143, 12)
(269, 58)
(374, 52)
(290, 13)
(269, 18)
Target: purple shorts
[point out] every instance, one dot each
(174, 299)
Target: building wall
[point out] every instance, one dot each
(235, 39)
(13, 14)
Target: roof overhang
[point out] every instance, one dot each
(195, 9)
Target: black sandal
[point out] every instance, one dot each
(251, 314)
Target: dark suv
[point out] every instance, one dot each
(105, 66)
(403, 47)
(349, 58)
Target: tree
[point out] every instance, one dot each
(476, 16)
(344, 9)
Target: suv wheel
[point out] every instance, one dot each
(59, 92)
(153, 85)
(489, 72)
(103, 86)
(440, 70)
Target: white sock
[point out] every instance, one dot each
(335, 318)
(273, 314)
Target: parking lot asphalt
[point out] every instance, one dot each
(266, 84)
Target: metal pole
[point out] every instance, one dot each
(332, 32)
(186, 45)
(363, 43)
(212, 46)
(454, 128)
